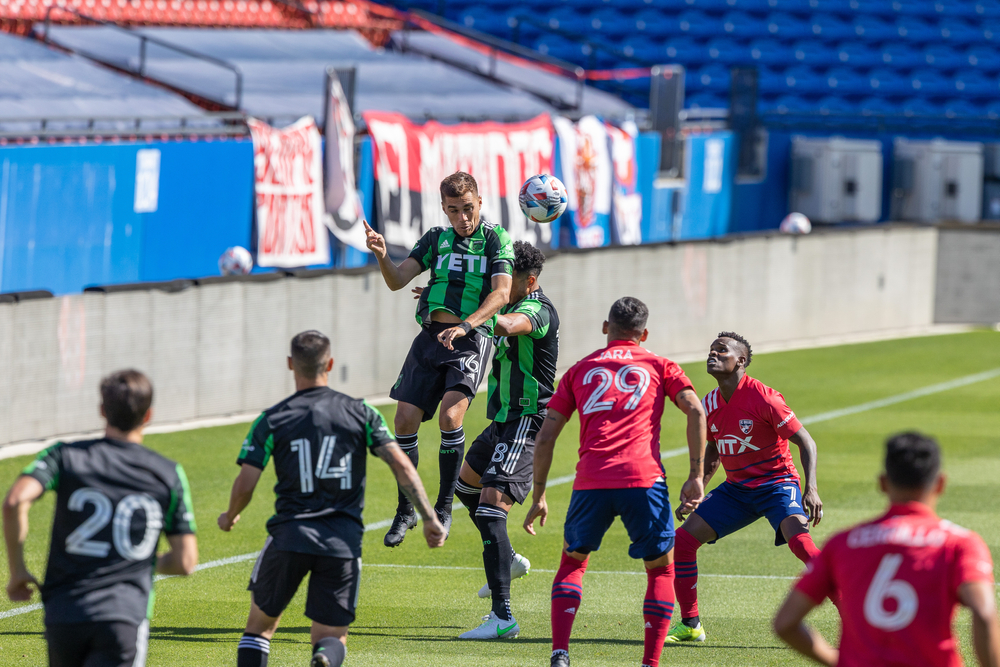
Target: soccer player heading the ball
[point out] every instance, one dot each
(497, 469)
(749, 427)
(470, 265)
(620, 392)
(899, 577)
(113, 499)
(318, 439)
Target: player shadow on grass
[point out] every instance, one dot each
(224, 635)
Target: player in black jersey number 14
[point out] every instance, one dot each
(113, 499)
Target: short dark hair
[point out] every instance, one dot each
(126, 396)
(628, 315)
(458, 184)
(310, 352)
(742, 341)
(527, 258)
(912, 460)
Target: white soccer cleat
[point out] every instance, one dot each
(518, 568)
(493, 628)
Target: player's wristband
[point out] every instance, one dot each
(466, 327)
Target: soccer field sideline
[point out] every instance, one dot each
(825, 416)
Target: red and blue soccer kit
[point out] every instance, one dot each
(620, 392)
(897, 578)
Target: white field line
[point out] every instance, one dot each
(824, 416)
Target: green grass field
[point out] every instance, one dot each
(414, 601)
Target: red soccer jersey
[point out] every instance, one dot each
(898, 579)
(620, 392)
(751, 433)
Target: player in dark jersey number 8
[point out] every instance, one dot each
(470, 267)
(113, 499)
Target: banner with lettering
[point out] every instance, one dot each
(288, 191)
(411, 161)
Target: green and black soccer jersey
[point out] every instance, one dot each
(318, 439)
(524, 367)
(462, 270)
(113, 498)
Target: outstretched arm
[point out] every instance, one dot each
(411, 486)
(545, 443)
(494, 301)
(240, 496)
(396, 277)
(789, 625)
(693, 490)
(22, 494)
(978, 596)
(810, 495)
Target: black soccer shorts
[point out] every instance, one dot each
(503, 455)
(97, 644)
(431, 369)
(333, 584)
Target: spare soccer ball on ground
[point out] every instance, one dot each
(796, 223)
(236, 261)
(543, 198)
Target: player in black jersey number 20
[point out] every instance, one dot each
(318, 439)
(470, 265)
(113, 498)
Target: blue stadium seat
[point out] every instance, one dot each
(705, 100)
(485, 19)
(944, 58)
(804, 80)
(792, 6)
(955, 31)
(644, 50)
(922, 8)
(770, 81)
(752, 6)
(835, 105)
(790, 104)
(526, 32)
(743, 26)
(846, 81)
(686, 51)
(931, 83)
(728, 52)
(612, 22)
(787, 27)
(992, 109)
(815, 54)
(858, 55)
(712, 6)
(569, 19)
(976, 85)
(984, 9)
(698, 24)
(831, 29)
(902, 57)
(921, 106)
(961, 109)
(917, 31)
(983, 58)
(837, 7)
(878, 106)
(558, 46)
(654, 24)
(770, 52)
(873, 7)
(713, 78)
(873, 29)
(889, 82)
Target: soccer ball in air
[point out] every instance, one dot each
(236, 261)
(796, 223)
(543, 198)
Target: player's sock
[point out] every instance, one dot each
(567, 592)
(686, 581)
(469, 495)
(450, 462)
(252, 651)
(408, 443)
(492, 522)
(657, 609)
(332, 649)
(803, 547)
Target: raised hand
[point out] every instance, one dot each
(375, 241)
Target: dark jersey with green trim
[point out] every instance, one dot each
(462, 270)
(318, 439)
(113, 498)
(524, 368)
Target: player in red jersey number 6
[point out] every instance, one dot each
(899, 577)
(620, 392)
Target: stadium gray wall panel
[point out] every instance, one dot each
(968, 286)
(220, 349)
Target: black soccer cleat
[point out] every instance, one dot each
(400, 524)
(560, 659)
(444, 516)
(319, 660)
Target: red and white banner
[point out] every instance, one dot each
(344, 212)
(625, 196)
(411, 161)
(288, 187)
(587, 174)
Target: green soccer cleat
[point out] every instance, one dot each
(682, 633)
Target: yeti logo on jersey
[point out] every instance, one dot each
(746, 425)
(728, 444)
(456, 261)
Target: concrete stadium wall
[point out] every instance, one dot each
(968, 285)
(219, 349)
